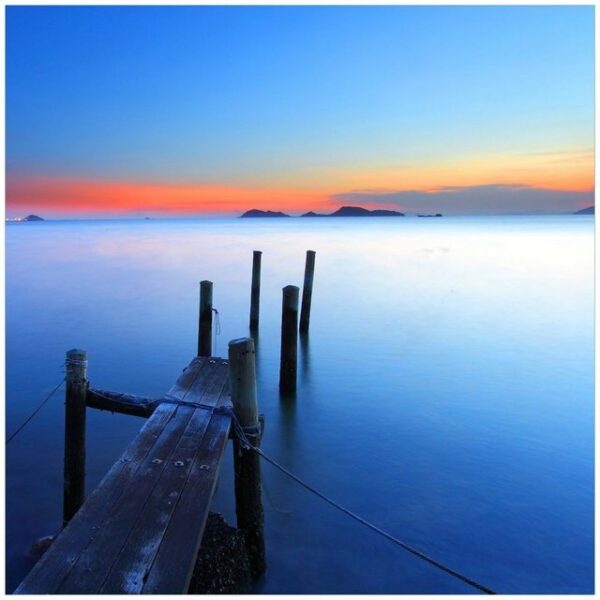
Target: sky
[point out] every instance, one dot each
(203, 110)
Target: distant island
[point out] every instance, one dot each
(344, 211)
(357, 211)
(24, 219)
(585, 211)
(255, 213)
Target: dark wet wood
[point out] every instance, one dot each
(205, 319)
(74, 458)
(255, 290)
(125, 404)
(135, 560)
(186, 527)
(248, 490)
(150, 509)
(289, 339)
(309, 274)
(55, 564)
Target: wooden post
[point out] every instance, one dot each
(248, 502)
(309, 273)
(255, 293)
(205, 319)
(74, 465)
(289, 339)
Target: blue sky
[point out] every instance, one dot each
(327, 100)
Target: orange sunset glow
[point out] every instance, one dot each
(569, 171)
(94, 196)
(208, 126)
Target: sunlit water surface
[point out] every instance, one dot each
(445, 392)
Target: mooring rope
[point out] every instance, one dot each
(35, 412)
(242, 433)
(217, 329)
(281, 511)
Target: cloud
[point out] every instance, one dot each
(56, 196)
(476, 199)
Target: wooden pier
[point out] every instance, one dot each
(141, 529)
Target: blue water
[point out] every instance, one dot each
(445, 391)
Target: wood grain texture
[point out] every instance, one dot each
(152, 505)
(74, 458)
(125, 404)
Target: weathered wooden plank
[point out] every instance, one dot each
(191, 375)
(124, 520)
(54, 565)
(95, 563)
(214, 368)
(170, 574)
(127, 404)
(140, 406)
(135, 559)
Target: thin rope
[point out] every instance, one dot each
(241, 433)
(22, 426)
(217, 328)
(217, 322)
(281, 511)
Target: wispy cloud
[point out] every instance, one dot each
(476, 199)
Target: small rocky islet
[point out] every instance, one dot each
(344, 211)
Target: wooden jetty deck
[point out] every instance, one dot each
(140, 530)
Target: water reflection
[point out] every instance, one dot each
(472, 392)
(304, 357)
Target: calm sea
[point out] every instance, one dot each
(445, 391)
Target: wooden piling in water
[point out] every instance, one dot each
(248, 501)
(255, 292)
(205, 319)
(289, 339)
(74, 461)
(309, 273)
